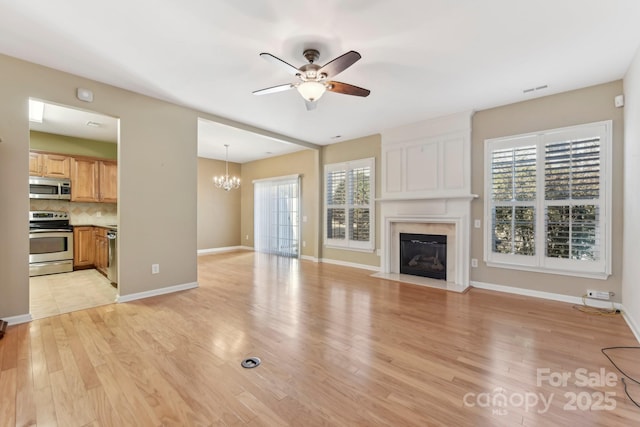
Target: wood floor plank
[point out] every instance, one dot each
(38, 358)
(63, 400)
(338, 348)
(106, 415)
(26, 414)
(8, 389)
(9, 357)
(45, 407)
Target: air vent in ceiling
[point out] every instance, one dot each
(535, 89)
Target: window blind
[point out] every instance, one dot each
(276, 216)
(549, 201)
(349, 204)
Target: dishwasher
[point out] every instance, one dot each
(112, 269)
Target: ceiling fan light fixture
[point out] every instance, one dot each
(311, 91)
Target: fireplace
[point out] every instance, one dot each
(426, 189)
(424, 255)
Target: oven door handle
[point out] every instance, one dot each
(50, 230)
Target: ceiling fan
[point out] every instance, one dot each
(314, 79)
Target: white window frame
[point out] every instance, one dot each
(600, 269)
(347, 243)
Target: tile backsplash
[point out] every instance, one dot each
(80, 213)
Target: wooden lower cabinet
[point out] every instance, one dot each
(102, 250)
(90, 248)
(84, 246)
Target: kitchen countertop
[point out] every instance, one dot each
(107, 226)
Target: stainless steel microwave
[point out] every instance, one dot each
(49, 188)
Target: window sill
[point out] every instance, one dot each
(573, 273)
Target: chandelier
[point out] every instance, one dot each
(225, 182)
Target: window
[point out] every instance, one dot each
(349, 208)
(548, 201)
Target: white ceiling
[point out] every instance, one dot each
(61, 120)
(420, 58)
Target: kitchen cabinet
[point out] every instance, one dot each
(102, 250)
(108, 181)
(84, 247)
(49, 165)
(94, 181)
(90, 248)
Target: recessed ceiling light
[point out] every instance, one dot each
(336, 137)
(94, 124)
(268, 152)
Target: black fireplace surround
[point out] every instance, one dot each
(424, 255)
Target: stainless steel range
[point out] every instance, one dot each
(50, 243)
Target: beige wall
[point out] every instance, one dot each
(157, 181)
(631, 264)
(304, 163)
(75, 146)
(218, 210)
(354, 149)
(571, 108)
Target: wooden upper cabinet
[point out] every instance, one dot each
(49, 165)
(108, 182)
(94, 181)
(84, 181)
(35, 164)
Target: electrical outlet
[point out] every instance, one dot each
(98, 214)
(246, 237)
(379, 252)
(474, 262)
(476, 223)
(599, 294)
(155, 268)
(304, 244)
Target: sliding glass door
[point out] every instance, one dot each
(277, 215)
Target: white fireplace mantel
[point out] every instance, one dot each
(428, 216)
(426, 182)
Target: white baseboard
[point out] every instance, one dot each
(15, 320)
(221, 250)
(350, 264)
(544, 295)
(632, 324)
(563, 298)
(156, 292)
(309, 258)
(247, 248)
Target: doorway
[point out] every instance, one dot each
(65, 143)
(277, 215)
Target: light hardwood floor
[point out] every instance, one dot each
(338, 348)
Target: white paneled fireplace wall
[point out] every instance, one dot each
(426, 189)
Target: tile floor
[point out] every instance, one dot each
(66, 292)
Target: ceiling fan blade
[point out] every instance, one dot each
(339, 64)
(347, 89)
(274, 89)
(279, 62)
(311, 105)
